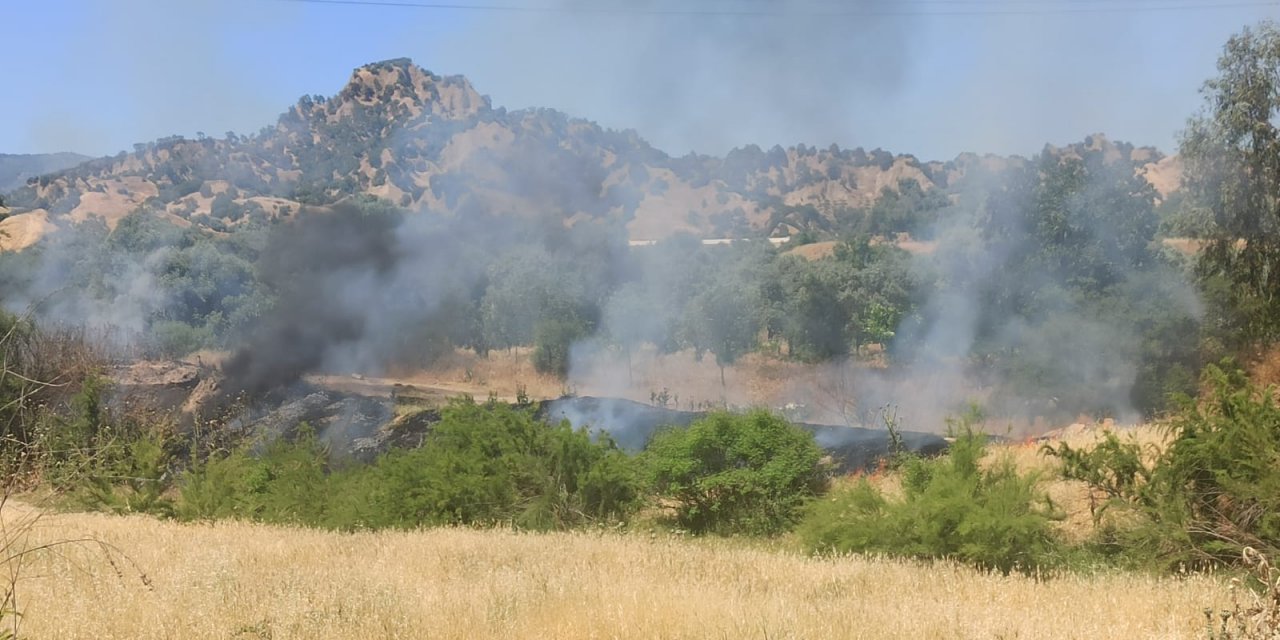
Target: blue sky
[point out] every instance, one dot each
(97, 76)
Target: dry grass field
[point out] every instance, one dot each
(236, 580)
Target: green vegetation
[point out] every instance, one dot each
(1213, 491)
(484, 464)
(1229, 151)
(732, 474)
(952, 507)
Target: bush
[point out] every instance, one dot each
(951, 508)
(736, 474)
(285, 482)
(129, 472)
(174, 339)
(483, 464)
(1212, 492)
(102, 457)
(492, 464)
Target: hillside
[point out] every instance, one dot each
(427, 142)
(15, 169)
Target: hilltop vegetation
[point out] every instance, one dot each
(425, 142)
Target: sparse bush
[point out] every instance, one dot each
(736, 474)
(953, 507)
(129, 472)
(1258, 618)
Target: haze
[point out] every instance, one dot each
(997, 76)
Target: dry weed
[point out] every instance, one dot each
(1255, 608)
(230, 579)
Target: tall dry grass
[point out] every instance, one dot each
(234, 580)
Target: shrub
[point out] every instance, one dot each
(1212, 492)
(736, 474)
(952, 507)
(493, 464)
(104, 457)
(129, 472)
(174, 339)
(286, 481)
(483, 464)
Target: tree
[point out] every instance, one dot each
(721, 319)
(631, 319)
(909, 208)
(813, 320)
(1232, 155)
(513, 302)
(553, 342)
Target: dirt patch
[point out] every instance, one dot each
(917, 247)
(1264, 369)
(25, 229)
(1185, 246)
(163, 385)
(814, 250)
(153, 374)
(1165, 175)
(506, 373)
(116, 200)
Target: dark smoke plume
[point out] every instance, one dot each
(311, 262)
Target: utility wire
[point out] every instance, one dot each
(975, 8)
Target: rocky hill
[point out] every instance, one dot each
(428, 142)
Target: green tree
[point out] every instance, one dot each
(814, 318)
(553, 341)
(513, 302)
(722, 319)
(907, 209)
(1232, 155)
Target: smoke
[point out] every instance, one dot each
(323, 267)
(1044, 299)
(73, 279)
(1044, 294)
(705, 82)
(354, 287)
(632, 425)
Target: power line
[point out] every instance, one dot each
(976, 8)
